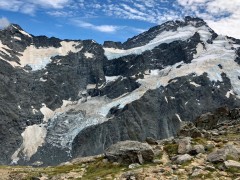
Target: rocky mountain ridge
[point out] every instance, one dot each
(61, 99)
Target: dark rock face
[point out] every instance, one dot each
(161, 56)
(146, 116)
(111, 100)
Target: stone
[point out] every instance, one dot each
(209, 146)
(206, 121)
(183, 158)
(198, 172)
(184, 145)
(231, 164)
(151, 141)
(181, 171)
(210, 168)
(188, 129)
(235, 113)
(221, 155)
(157, 161)
(128, 152)
(150, 178)
(196, 149)
(135, 165)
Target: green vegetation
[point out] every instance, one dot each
(102, 169)
(199, 140)
(171, 149)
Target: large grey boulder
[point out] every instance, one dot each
(197, 149)
(128, 152)
(184, 145)
(183, 158)
(221, 155)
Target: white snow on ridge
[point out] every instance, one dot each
(195, 84)
(23, 32)
(111, 78)
(207, 61)
(230, 92)
(182, 33)
(17, 38)
(3, 49)
(38, 58)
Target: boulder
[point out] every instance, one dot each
(129, 152)
(198, 172)
(235, 113)
(188, 129)
(151, 141)
(183, 158)
(196, 149)
(232, 164)
(206, 121)
(221, 155)
(184, 145)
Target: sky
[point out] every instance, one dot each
(115, 20)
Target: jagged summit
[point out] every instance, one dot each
(61, 98)
(145, 37)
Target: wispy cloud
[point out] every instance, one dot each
(30, 7)
(222, 15)
(101, 28)
(4, 22)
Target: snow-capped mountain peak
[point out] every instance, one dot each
(61, 98)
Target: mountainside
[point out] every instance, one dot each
(62, 99)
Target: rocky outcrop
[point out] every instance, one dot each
(222, 154)
(127, 152)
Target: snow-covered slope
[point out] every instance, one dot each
(181, 34)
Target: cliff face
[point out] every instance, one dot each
(62, 99)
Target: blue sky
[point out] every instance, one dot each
(115, 20)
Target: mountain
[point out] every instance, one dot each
(62, 99)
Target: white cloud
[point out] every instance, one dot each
(101, 28)
(31, 6)
(4, 22)
(222, 15)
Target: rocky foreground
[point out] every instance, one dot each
(206, 149)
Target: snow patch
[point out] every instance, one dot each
(48, 113)
(166, 99)
(42, 80)
(88, 55)
(23, 32)
(178, 117)
(91, 86)
(33, 137)
(195, 84)
(17, 38)
(199, 50)
(38, 58)
(111, 78)
(3, 49)
(230, 92)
